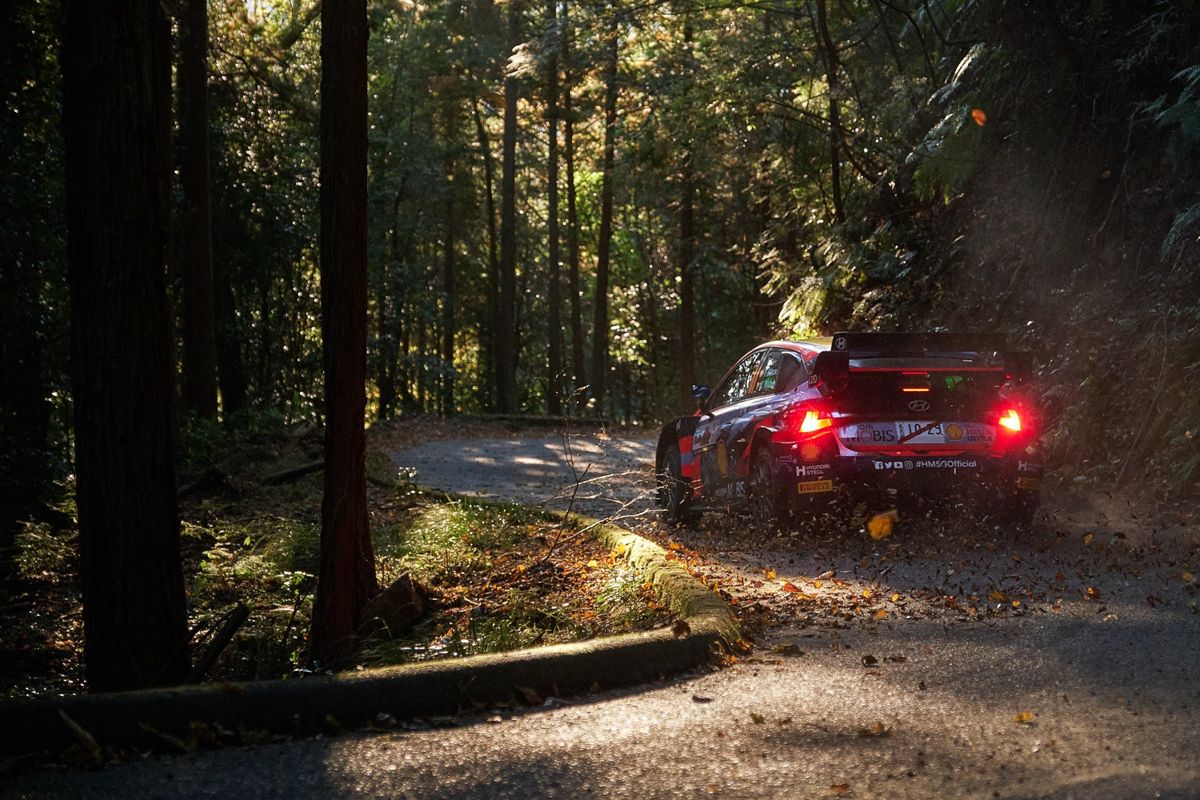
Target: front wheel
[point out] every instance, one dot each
(768, 504)
(673, 488)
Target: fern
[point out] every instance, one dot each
(1183, 221)
(1184, 112)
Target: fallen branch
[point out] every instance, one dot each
(233, 620)
(290, 474)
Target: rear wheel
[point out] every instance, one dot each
(768, 503)
(673, 488)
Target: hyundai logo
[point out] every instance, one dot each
(918, 405)
(839, 343)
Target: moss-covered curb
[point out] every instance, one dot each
(356, 699)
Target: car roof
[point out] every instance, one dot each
(817, 343)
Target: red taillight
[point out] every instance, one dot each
(814, 421)
(1011, 420)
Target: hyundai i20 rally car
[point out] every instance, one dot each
(793, 426)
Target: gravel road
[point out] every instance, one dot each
(952, 659)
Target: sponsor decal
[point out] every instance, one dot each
(1029, 483)
(723, 459)
(839, 343)
(954, 431)
(1029, 466)
(812, 487)
(812, 470)
(810, 451)
(918, 405)
(928, 463)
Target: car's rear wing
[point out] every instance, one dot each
(989, 350)
(885, 345)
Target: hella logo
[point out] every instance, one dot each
(918, 405)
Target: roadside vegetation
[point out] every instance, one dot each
(492, 576)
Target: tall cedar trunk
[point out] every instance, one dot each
(449, 236)
(195, 246)
(116, 61)
(554, 295)
(506, 334)
(346, 581)
(829, 52)
(578, 370)
(600, 317)
(687, 258)
(488, 346)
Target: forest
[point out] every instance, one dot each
(579, 208)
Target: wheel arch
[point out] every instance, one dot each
(670, 436)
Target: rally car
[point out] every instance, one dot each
(794, 425)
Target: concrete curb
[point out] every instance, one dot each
(354, 699)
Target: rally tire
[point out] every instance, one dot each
(673, 491)
(768, 503)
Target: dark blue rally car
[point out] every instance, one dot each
(794, 425)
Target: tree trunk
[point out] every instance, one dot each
(449, 237)
(493, 282)
(578, 370)
(554, 296)
(829, 52)
(687, 260)
(600, 317)
(195, 247)
(346, 581)
(506, 335)
(231, 365)
(116, 61)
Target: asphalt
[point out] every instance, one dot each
(1057, 662)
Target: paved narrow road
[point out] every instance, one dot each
(953, 659)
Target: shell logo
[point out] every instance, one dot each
(810, 452)
(954, 432)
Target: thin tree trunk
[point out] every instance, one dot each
(231, 364)
(604, 246)
(687, 258)
(493, 283)
(199, 328)
(346, 581)
(506, 335)
(388, 302)
(449, 241)
(578, 370)
(116, 61)
(554, 295)
(829, 52)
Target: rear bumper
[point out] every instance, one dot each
(831, 472)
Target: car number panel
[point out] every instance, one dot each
(904, 433)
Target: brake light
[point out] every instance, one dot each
(814, 421)
(1011, 420)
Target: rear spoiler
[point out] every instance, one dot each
(833, 366)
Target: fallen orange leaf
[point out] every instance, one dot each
(880, 525)
(980, 116)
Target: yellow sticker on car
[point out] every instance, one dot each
(812, 487)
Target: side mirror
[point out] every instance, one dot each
(701, 393)
(833, 368)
